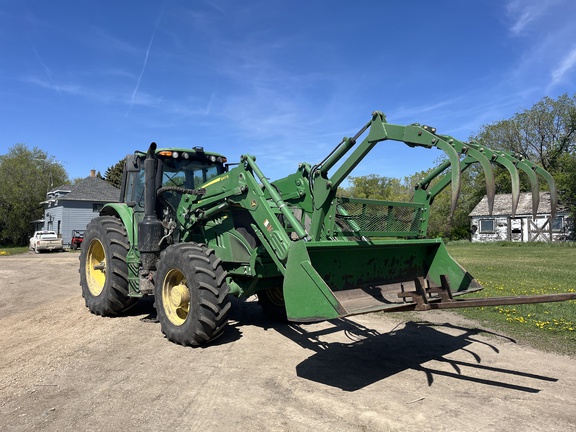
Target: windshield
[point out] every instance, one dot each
(188, 174)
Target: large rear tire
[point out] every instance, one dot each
(103, 267)
(191, 294)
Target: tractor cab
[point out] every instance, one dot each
(186, 169)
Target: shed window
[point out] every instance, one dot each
(557, 224)
(486, 226)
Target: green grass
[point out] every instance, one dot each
(12, 250)
(506, 269)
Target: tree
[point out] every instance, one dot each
(113, 174)
(373, 187)
(25, 177)
(541, 134)
(566, 181)
(544, 134)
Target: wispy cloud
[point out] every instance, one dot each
(94, 94)
(46, 69)
(523, 13)
(146, 59)
(108, 96)
(104, 38)
(546, 53)
(566, 64)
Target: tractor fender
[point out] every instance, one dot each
(126, 215)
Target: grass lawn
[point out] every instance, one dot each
(506, 269)
(12, 250)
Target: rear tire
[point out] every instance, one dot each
(191, 294)
(105, 246)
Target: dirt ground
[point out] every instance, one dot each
(64, 369)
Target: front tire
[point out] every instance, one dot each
(103, 267)
(191, 294)
(271, 300)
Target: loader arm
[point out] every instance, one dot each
(246, 186)
(461, 156)
(377, 258)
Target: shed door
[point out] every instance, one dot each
(516, 233)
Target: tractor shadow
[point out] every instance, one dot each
(371, 356)
(368, 356)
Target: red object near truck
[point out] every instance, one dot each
(77, 239)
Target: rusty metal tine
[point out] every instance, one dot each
(455, 173)
(515, 178)
(478, 154)
(551, 185)
(534, 183)
(501, 159)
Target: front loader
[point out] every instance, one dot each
(192, 230)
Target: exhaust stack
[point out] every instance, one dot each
(150, 230)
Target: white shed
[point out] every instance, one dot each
(502, 226)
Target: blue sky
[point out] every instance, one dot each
(91, 81)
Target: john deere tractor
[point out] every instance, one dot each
(191, 230)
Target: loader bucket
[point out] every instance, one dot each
(326, 280)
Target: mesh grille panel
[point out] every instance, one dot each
(392, 218)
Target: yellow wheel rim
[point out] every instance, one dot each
(176, 297)
(96, 268)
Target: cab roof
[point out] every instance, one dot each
(194, 150)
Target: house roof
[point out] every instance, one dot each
(63, 188)
(503, 205)
(92, 189)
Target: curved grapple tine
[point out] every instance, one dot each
(551, 185)
(488, 173)
(534, 183)
(515, 178)
(508, 162)
(454, 158)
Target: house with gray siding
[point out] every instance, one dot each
(69, 208)
(522, 227)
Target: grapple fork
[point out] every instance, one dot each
(476, 153)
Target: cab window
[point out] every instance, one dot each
(188, 174)
(135, 188)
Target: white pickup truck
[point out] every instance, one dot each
(46, 241)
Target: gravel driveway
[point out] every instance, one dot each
(64, 369)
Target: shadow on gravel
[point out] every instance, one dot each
(371, 356)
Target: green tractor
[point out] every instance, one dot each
(192, 230)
